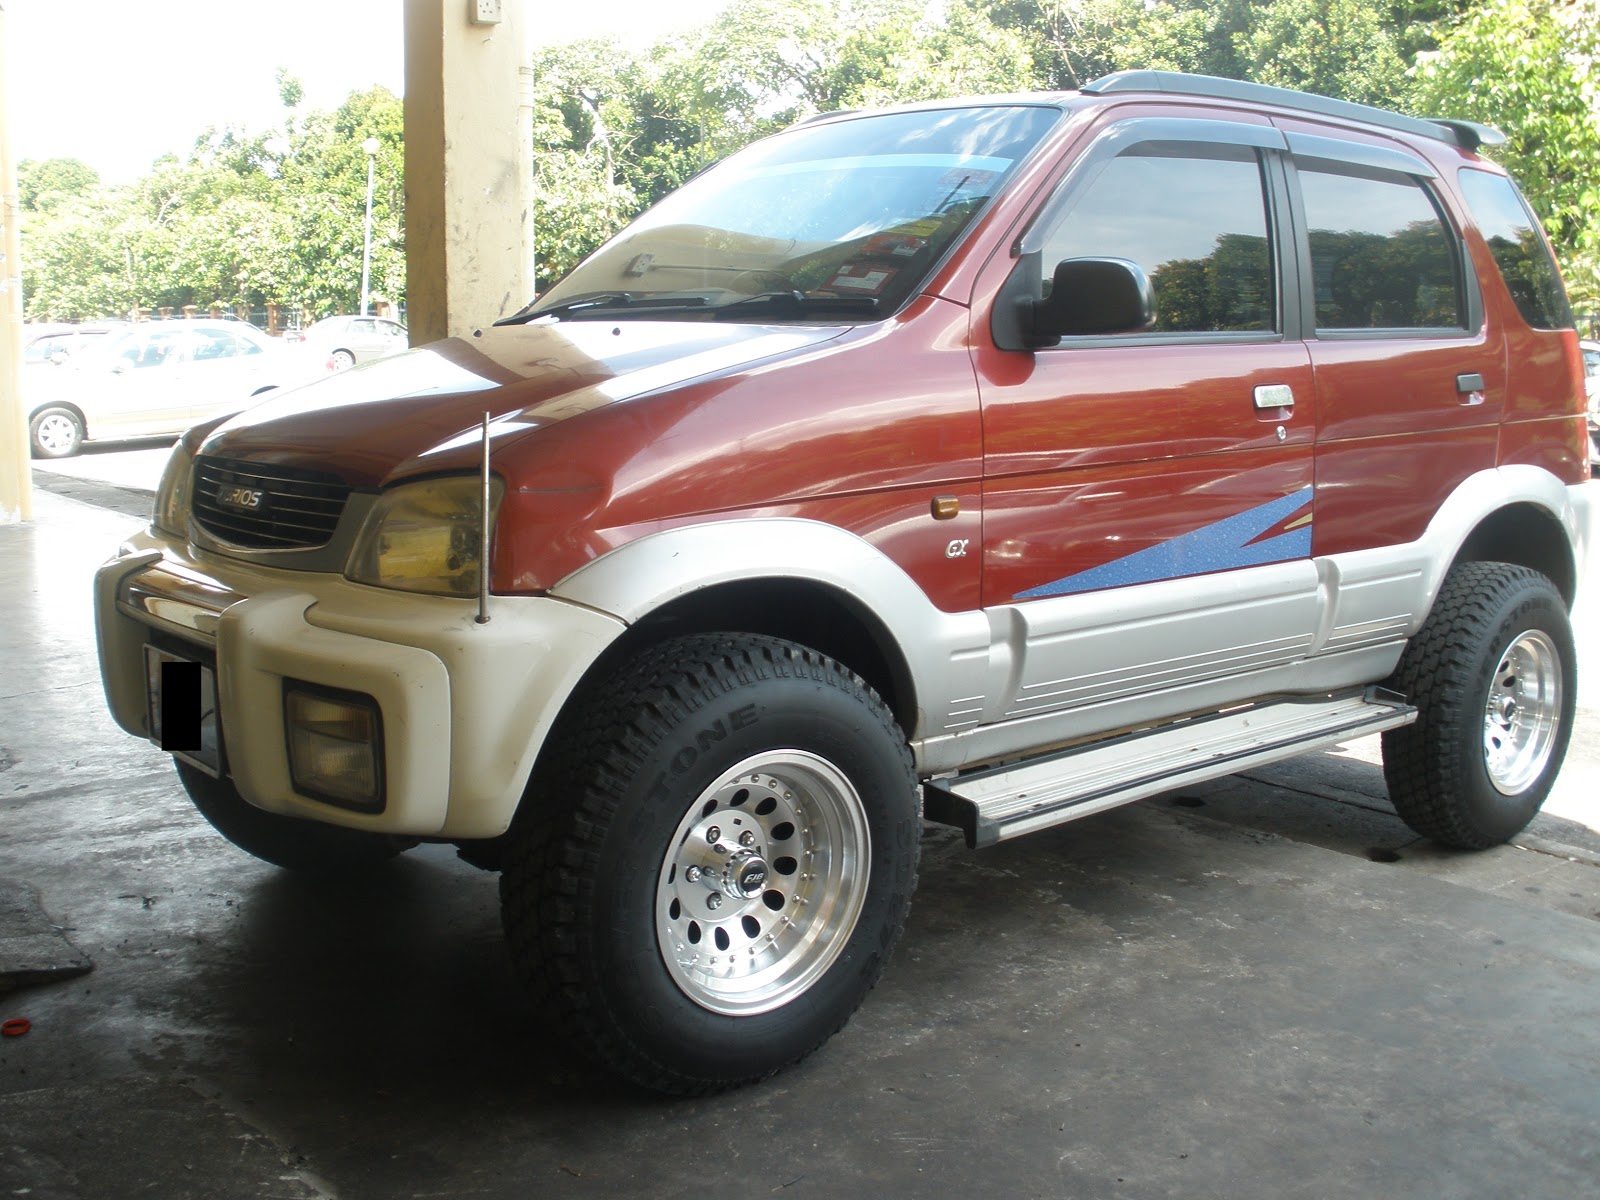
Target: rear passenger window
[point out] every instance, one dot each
(1196, 221)
(1381, 255)
(1519, 251)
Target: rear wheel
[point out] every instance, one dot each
(724, 862)
(55, 433)
(340, 360)
(1493, 675)
(308, 847)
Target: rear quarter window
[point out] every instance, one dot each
(1519, 248)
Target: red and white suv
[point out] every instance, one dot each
(996, 461)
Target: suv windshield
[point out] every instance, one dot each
(837, 219)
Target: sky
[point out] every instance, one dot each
(118, 83)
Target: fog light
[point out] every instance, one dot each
(335, 745)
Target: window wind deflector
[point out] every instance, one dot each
(603, 302)
(787, 304)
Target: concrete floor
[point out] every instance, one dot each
(1217, 993)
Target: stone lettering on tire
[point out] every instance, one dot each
(724, 858)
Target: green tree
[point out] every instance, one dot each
(245, 219)
(1418, 24)
(1340, 48)
(592, 103)
(323, 171)
(1075, 41)
(42, 184)
(615, 131)
(1529, 68)
(84, 260)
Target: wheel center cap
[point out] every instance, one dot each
(745, 875)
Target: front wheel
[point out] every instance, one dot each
(1494, 677)
(723, 862)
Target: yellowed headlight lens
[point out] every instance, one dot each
(425, 537)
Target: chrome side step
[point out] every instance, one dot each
(1004, 802)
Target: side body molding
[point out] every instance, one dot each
(1397, 585)
(965, 667)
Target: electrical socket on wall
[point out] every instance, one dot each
(484, 12)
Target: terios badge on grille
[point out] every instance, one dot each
(240, 498)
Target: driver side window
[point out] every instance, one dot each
(1195, 219)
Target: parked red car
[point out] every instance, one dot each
(996, 461)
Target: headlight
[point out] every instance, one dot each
(425, 537)
(171, 513)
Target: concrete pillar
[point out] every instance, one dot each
(16, 472)
(469, 168)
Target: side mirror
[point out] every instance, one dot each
(1091, 296)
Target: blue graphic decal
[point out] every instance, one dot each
(1228, 543)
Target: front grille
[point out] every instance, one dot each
(265, 506)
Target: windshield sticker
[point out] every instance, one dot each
(893, 245)
(857, 279)
(967, 179)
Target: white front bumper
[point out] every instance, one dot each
(465, 707)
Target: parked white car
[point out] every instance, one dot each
(154, 379)
(51, 345)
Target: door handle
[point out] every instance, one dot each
(1274, 395)
(1470, 389)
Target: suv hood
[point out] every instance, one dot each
(423, 410)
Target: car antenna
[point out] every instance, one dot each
(483, 548)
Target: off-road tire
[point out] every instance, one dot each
(307, 847)
(582, 895)
(1441, 769)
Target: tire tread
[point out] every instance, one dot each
(553, 862)
(1426, 780)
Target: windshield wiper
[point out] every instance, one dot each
(794, 303)
(602, 302)
(764, 303)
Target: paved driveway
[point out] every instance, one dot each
(1263, 988)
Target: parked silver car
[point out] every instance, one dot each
(156, 378)
(346, 341)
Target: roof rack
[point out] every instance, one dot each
(1467, 134)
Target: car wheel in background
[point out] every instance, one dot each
(341, 360)
(55, 433)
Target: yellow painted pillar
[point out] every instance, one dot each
(469, 167)
(16, 478)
